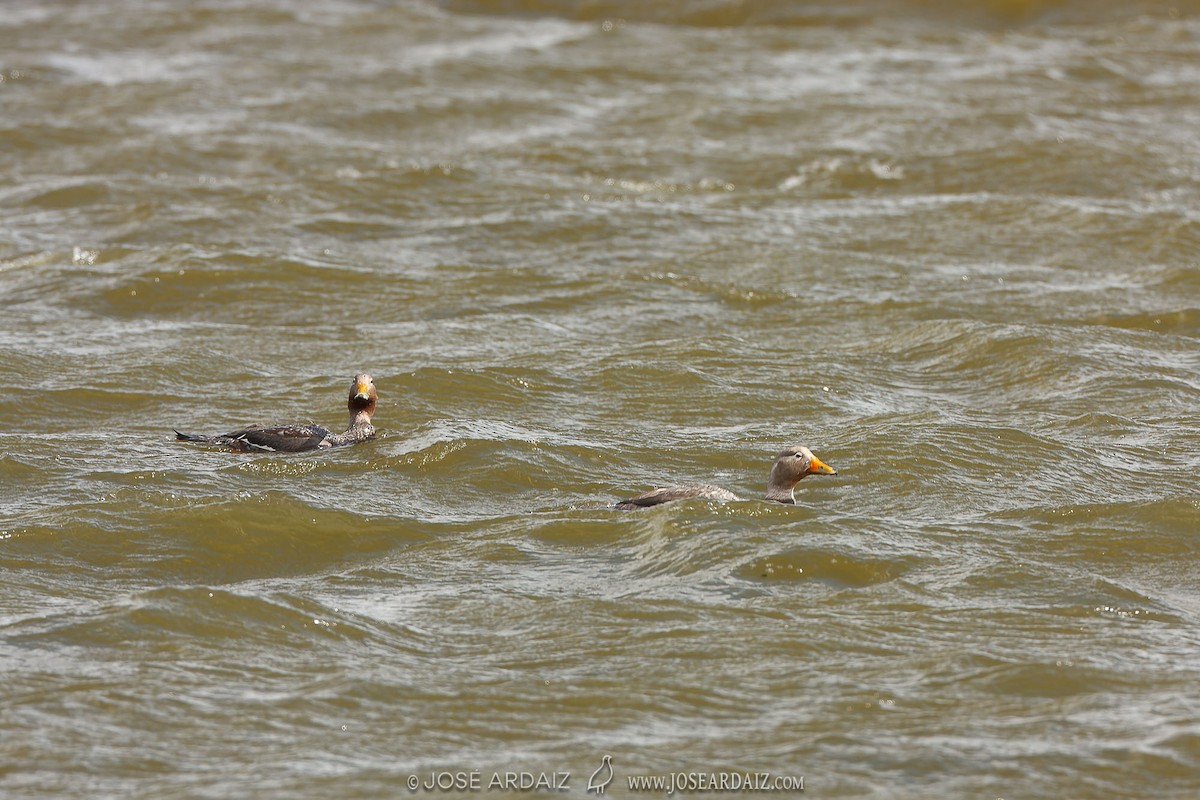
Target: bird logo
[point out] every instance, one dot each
(602, 777)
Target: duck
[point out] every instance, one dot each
(792, 465)
(300, 438)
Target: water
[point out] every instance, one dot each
(586, 249)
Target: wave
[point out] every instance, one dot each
(794, 13)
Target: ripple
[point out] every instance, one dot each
(1179, 322)
(216, 541)
(217, 616)
(834, 569)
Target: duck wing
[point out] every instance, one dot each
(666, 495)
(282, 438)
(279, 438)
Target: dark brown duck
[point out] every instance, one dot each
(299, 438)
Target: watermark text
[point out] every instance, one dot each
(715, 782)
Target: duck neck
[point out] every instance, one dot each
(781, 494)
(360, 421)
(360, 430)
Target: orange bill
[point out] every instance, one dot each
(820, 467)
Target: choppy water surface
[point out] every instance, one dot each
(584, 249)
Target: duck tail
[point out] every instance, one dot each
(188, 437)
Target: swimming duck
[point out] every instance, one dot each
(792, 465)
(298, 438)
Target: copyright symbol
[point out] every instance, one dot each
(414, 783)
